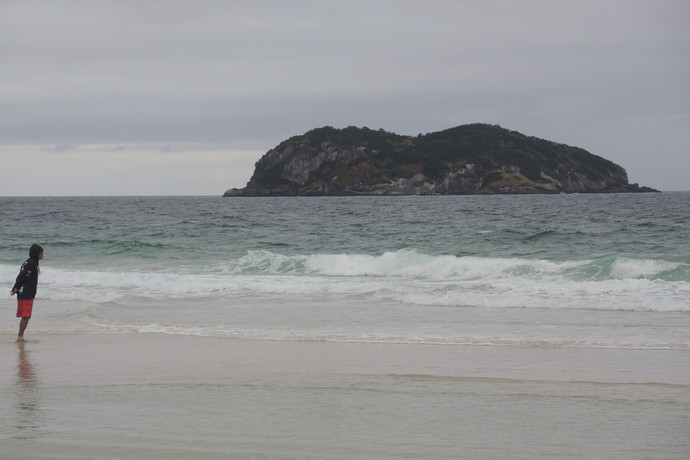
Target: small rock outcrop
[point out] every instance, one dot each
(468, 159)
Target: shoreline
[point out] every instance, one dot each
(133, 357)
(84, 396)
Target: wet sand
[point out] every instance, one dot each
(93, 359)
(164, 396)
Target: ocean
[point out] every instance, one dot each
(575, 275)
(566, 270)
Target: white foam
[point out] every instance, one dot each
(403, 276)
(623, 268)
(293, 335)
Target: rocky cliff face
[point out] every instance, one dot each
(469, 159)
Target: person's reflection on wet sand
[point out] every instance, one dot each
(27, 407)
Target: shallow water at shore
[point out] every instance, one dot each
(154, 396)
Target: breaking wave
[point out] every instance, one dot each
(405, 276)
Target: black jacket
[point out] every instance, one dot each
(27, 280)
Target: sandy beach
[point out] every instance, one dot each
(160, 396)
(96, 359)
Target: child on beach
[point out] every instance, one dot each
(25, 288)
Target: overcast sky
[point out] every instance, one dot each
(172, 97)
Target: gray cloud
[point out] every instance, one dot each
(251, 73)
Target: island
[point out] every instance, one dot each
(466, 160)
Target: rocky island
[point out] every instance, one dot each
(468, 159)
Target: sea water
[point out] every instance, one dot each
(595, 279)
(557, 270)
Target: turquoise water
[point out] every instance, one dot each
(558, 270)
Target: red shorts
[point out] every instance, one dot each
(24, 308)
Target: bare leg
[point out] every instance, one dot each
(22, 327)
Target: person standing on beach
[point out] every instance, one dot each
(25, 288)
